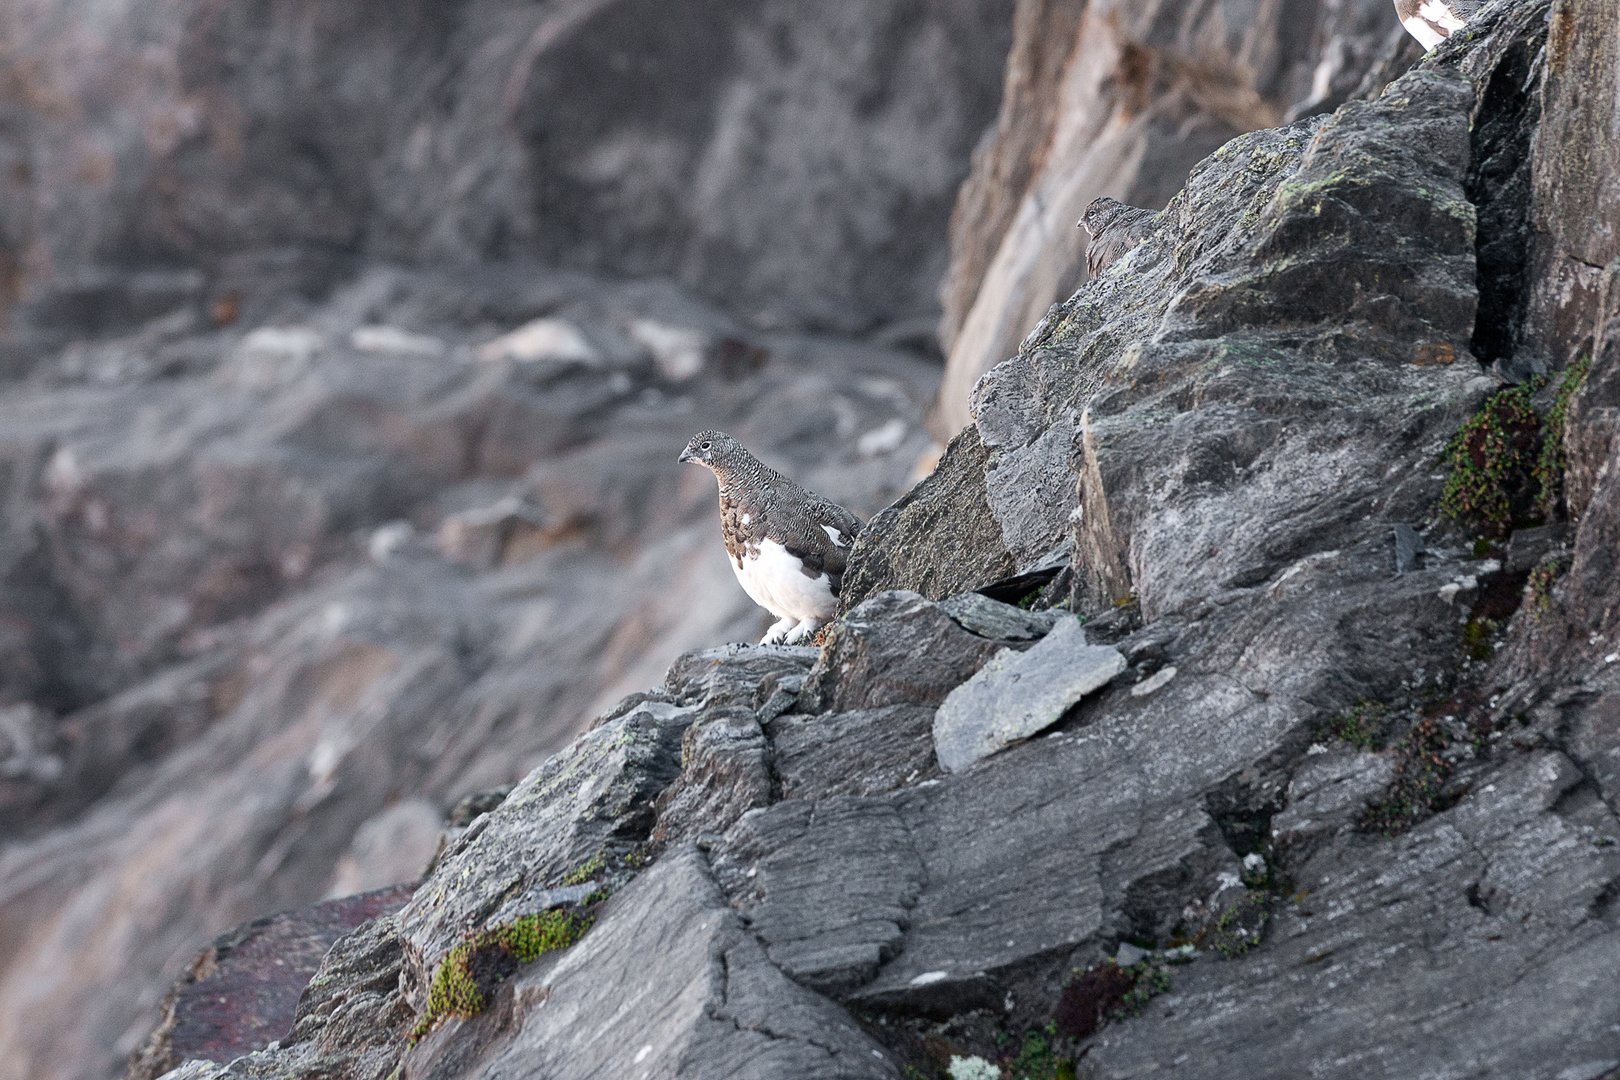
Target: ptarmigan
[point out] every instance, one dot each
(1115, 228)
(1432, 21)
(788, 546)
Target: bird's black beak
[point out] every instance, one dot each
(686, 455)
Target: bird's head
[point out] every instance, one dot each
(714, 449)
(1100, 214)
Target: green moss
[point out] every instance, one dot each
(1477, 638)
(1421, 772)
(1491, 460)
(1541, 582)
(588, 870)
(457, 989)
(1036, 1060)
(1550, 465)
(1239, 928)
(1361, 725)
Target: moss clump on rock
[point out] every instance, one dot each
(1550, 465)
(1361, 725)
(461, 983)
(1539, 587)
(1240, 926)
(1491, 459)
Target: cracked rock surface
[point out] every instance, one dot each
(1205, 453)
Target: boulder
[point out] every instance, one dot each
(1017, 695)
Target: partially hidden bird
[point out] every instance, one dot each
(1115, 229)
(1432, 21)
(788, 546)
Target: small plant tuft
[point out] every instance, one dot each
(1036, 1060)
(1361, 725)
(1542, 580)
(1421, 772)
(1240, 927)
(459, 984)
(1550, 465)
(1491, 460)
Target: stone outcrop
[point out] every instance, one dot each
(234, 649)
(1123, 99)
(1344, 805)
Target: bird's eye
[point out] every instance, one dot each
(707, 445)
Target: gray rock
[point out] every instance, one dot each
(1129, 954)
(865, 752)
(1418, 932)
(1015, 248)
(938, 540)
(669, 981)
(1408, 548)
(896, 648)
(1016, 695)
(993, 619)
(1329, 793)
(594, 798)
(725, 772)
(1527, 546)
(247, 989)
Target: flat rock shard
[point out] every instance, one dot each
(1015, 695)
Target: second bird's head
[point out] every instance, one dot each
(714, 449)
(1100, 214)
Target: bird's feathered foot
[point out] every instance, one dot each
(779, 631)
(804, 631)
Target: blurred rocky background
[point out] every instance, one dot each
(348, 346)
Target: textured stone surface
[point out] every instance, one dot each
(915, 552)
(235, 536)
(1016, 695)
(1329, 794)
(1123, 99)
(1418, 933)
(1211, 445)
(994, 619)
(865, 752)
(256, 149)
(896, 647)
(243, 990)
(595, 797)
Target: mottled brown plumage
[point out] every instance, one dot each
(773, 530)
(1115, 229)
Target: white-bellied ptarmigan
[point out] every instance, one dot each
(1115, 228)
(788, 546)
(1432, 21)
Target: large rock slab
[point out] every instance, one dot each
(1483, 941)
(1123, 100)
(243, 991)
(595, 798)
(1016, 695)
(669, 983)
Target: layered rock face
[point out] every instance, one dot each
(330, 575)
(1350, 808)
(1122, 99)
(797, 161)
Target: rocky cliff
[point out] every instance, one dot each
(1237, 697)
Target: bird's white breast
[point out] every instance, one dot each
(1419, 28)
(777, 582)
